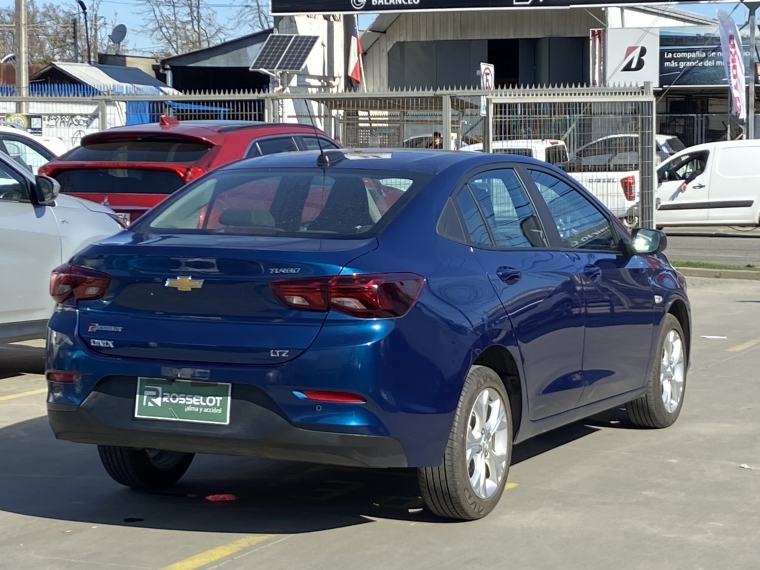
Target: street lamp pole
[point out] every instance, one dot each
(86, 30)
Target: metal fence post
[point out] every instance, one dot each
(446, 108)
(488, 127)
(647, 180)
(102, 114)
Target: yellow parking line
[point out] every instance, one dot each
(215, 554)
(510, 485)
(22, 394)
(744, 346)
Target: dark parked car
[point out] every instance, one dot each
(495, 300)
(131, 169)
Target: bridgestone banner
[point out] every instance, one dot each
(288, 7)
(733, 60)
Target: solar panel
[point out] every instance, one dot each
(297, 53)
(284, 52)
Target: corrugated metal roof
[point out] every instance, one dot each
(112, 77)
(239, 52)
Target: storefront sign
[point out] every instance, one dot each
(692, 56)
(632, 56)
(289, 7)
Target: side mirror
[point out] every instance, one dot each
(46, 190)
(648, 241)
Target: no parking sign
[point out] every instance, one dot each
(486, 82)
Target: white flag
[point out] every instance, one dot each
(733, 58)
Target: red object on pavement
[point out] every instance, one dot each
(221, 498)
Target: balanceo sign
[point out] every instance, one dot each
(289, 7)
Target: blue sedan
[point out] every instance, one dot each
(384, 309)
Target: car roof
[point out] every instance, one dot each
(211, 130)
(390, 159)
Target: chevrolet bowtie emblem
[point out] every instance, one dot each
(184, 283)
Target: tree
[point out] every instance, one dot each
(254, 15)
(180, 26)
(50, 33)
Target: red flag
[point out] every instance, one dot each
(354, 56)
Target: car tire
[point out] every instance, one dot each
(662, 403)
(449, 490)
(143, 468)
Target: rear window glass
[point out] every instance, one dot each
(142, 149)
(118, 181)
(293, 203)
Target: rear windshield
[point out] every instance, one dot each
(142, 149)
(293, 203)
(118, 181)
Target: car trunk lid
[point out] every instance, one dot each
(206, 298)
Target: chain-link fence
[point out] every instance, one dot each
(697, 129)
(603, 137)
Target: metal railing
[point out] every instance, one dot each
(602, 136)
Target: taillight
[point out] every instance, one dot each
(330, 396)
(365, 296)
(62, 377)
(45, 169)
(72, 281)
(193, 172)
(629, 187)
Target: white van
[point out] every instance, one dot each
(551, 151)
(710, 184)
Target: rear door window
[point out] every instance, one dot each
(142, 148)
(311, 143)
(507, 209)
(273, 146)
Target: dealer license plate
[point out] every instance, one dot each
(183, 401)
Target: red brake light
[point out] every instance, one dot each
(45, 169)
(62, 377)
(365, 296)
(73, 281)
(330, 396)
(629, 187)
(193, 172)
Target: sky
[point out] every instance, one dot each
(126, 12)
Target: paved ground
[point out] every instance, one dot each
(598, 494)
(723, 250)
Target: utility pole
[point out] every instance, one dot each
(74, 23)
(752, 75)
(22, 55)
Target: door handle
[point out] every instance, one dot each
(592, 272)
(698, 186)
(509, 275)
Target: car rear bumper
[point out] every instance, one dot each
(257, 428)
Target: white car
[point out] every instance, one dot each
(710, 184)
(30, 151)
(551, 151)
(39, 230)
(609, 168)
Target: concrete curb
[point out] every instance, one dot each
(713, 235)
(719, 273)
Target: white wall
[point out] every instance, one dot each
(475, 25)
(625, 18)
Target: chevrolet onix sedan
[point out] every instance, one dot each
(271, 308)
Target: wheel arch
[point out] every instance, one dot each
(501, 360)
(680, 311)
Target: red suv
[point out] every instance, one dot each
(131, 169)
